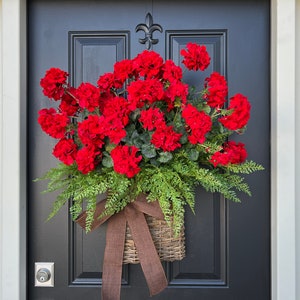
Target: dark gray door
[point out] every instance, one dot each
(228, 245)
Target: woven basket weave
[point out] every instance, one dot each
(169, 248)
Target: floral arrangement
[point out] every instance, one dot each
(143, 130)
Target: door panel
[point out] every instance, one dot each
(227, 245)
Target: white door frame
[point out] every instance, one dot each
(285, 144)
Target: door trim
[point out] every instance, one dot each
(285, 166)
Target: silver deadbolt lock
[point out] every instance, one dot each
(43, 275)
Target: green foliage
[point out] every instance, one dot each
(246, 168)
(80, 188)
(171, 191)
(170, 180)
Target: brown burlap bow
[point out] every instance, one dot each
(133, 215)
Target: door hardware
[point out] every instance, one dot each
(44, 274)
(148, 27)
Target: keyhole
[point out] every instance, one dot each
(43, 275)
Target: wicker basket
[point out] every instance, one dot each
(169, 248)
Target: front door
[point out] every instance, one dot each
(227, 244)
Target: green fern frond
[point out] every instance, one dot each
(57, 205)
(238, 183)
(247, 167)
(90, 211)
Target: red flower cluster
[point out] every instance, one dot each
(195, 57)
(65, 150)
(69, 104)
(53, 83)
(166, 138)
(198, 122)
(216, 90)
(53, 123)
(231, 153)
(125, 160)
(87, 158)
(144, 91)
(152, 118)
(240, 115)
(141, 106)
(88, 96)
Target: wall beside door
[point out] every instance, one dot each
(285, 145)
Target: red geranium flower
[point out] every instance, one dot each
(69, 104)
(65, 150)
(113, 128)
(195, 57)
(53, 123)
(125, 160)
(86, 158)
(107, 81)
(152, 118)
(123, 70)
(166, 138)
(216, 90)
(148, 64)
(198, 122)
(118, 108)
(88, 96)
(171, 72)
(143, 92)
(232, 153)
(240, 115)
(90, 131)
(176, 91)
(53, 83)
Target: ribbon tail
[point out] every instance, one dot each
(149, 259)
(113, 257)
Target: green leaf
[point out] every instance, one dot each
(136, 139)
(145, 137)
(154, 162)
(193, 154)
(184, 139)
(107, 162)
(130, 129)
(135, 114)
(148, 151)
(206, 109)
(165, 157)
